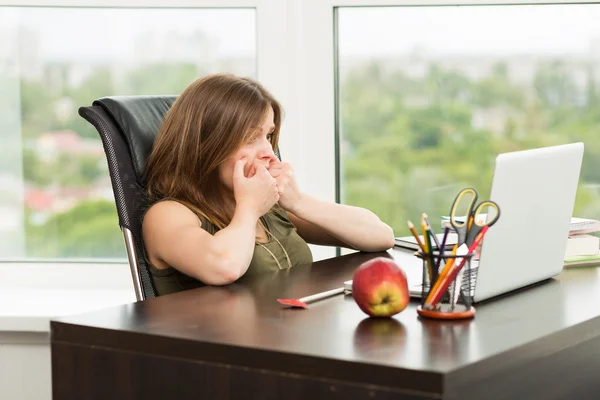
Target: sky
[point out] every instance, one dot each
(68, 33)
(363, 31)
(469, 29)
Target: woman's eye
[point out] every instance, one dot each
(270, 136)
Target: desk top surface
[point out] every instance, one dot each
(245, 320)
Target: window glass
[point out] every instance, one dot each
(428, 96)
(56, 199)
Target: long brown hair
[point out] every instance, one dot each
(207, 123)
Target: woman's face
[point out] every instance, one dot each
(258, 152)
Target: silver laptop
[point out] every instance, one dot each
(535, 190)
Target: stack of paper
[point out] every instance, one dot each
(583, 225)
(583, 249)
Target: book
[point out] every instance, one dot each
(582, 245)
(409, 242)
(583, 261)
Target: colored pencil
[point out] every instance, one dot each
(442, 248)
(412, 229)
(435, 265)
(435, 239)
(429, 248)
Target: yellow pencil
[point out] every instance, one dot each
(441, 276)
(411, 226)
(423, 246)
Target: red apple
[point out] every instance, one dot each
(380, 287)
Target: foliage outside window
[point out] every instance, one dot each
(430, 95)
(57, 199)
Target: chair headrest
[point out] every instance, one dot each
(139, 118)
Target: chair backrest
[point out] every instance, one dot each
(128, 126)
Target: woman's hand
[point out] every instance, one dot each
(289, 193)
(257, 192)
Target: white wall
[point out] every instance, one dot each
(28, 300)
(25, 371)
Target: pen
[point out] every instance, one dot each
(431, 234)
(429, 249)
(435, 239)
(442, 251)
(442, 248)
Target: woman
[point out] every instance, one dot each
(223, 205)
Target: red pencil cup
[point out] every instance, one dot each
(455, 301)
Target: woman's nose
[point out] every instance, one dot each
(267, 152)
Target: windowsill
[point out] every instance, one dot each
(30, 310)
(31, 294)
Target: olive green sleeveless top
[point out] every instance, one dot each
(283, 236)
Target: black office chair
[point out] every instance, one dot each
(128, 126)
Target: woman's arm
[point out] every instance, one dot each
(327, 223)
(174, 236)
(323, 222)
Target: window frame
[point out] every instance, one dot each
(276, 25)
(319, 81)
(296, 60)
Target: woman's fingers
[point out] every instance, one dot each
(238, 169)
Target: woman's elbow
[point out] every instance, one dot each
(221, 271)
(222, 278)
(385, 240)
(388, 242)
(380, 246)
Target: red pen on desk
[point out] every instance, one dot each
(303, 302)
(455, 270)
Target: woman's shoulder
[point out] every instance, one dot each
(168, 205)
(169, 211)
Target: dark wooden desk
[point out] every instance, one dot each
(237, 342)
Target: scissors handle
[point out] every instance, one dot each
(480, 210)
(468, 195)
(457, 201)
(477, 225)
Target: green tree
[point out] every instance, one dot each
(37, 115)
(553, 85)
(497, 90)
(88, 230)
(409, 144)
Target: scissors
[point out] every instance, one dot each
(468, 229)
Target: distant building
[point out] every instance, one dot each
(50, 144)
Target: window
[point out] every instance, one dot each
(56, 199)
(429, 95)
